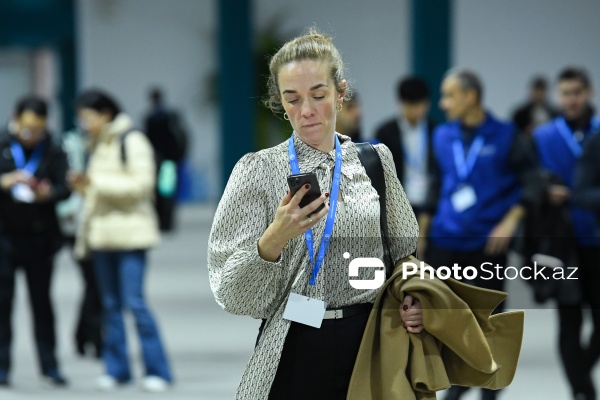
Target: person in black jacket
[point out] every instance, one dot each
(33, 173)
(168, 137)
(408, 136)
(537, 110)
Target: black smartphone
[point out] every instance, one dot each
(295, 182)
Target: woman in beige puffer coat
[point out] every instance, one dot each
(119, 226)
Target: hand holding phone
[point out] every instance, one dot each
(295, 182)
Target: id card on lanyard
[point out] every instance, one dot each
(21, 191)
(299, 308)
(464, 196)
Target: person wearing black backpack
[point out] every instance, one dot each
(169, 141)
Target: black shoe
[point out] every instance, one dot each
(55, 379)
(456, 392)
(89, 349)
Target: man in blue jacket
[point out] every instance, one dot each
(559, 145)
(476, 197)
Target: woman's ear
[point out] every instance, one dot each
(342, 91)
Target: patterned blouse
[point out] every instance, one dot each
(245, 284)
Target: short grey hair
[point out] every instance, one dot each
(468, 80)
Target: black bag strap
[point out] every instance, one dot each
(122, 139)
(370, 160)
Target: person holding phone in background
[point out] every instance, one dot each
(119, 226)
(263, 264)
(33, 172)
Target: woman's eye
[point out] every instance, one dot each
(319, 97)
(293, 101)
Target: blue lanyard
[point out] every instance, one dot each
(333, 202)
(464, 166)
(417, 160)
(567, 135)
(19, 157)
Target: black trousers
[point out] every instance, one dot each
(437, 257)
(34, 254)
(578, 358)
(88, 330)
(317, 364)
(165, 209)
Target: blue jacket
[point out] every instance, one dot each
(495, 182)
(556, 156)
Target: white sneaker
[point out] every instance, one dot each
(154, 384)
(106, 383)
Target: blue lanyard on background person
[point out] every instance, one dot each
(464, 165)
(19, 157)
(417, 160)
(333, 202)
(567, 134)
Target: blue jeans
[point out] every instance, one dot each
(120, 277)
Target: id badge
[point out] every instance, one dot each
(23, 193)
(304, 310)
(463, 198)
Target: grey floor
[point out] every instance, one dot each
(208, 347)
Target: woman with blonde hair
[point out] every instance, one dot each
(271, 259)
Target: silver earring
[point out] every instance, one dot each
(285, 116)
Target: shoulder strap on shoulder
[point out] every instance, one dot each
(122, 145)
(370, 160)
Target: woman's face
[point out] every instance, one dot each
(310, 99)
(92, 121)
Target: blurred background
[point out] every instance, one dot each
(210, 59)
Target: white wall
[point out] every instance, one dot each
(126, 46)
(508, 41)
(373, 38)
(16, 72)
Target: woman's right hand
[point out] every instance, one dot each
(290, 221)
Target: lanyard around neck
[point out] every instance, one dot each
(567, 134)
(31, 165)
(464, 165)
(333, 203)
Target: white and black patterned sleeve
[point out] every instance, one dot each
(403, 229)
(242, 282)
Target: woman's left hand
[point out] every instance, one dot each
(412, 315)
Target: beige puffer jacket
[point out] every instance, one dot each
(119, 212)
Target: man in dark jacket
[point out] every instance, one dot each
(560, 145)
(32, 179)
(169, 141)
(537, 110)
(408, 136)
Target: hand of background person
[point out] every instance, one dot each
(500, 237)
(290, 221)
(77, 181)
(412, 314)
(10, 179)
(558, 194)
(42, 189)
